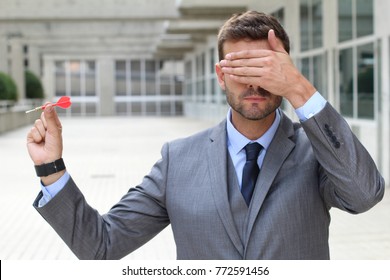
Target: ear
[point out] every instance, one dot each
(220, 75)
(275, 43)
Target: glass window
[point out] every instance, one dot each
(75, 108)
(151, 108)
(178, 108)
(311, 24)
(346, 82)
(136, 108)
(365, 81)
(75, 78)
(188, 78)
(120, 78)
(165, 108)
(357, 82)
(316, 12)
(305, 26)
(305, 67)
(345, 20)
(212, 60)
(90, 109)
(200, 76)
(121, 108)
(356, 19)
(279, 14)
(60, 78)
(313, 68)
(90, 78)
(364, 18)
(158, 79)
(150, 77)
(178, 87)
(319, 74)
(136, 82)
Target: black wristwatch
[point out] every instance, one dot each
(47, 169)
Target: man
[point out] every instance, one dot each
(203, 184)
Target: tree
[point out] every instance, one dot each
(34, 87)
(8, 89)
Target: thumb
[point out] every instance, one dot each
(53, 124)
(275, 43)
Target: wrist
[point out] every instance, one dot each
(48, 180)
(303, 92)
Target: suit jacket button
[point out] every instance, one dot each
(337, 144)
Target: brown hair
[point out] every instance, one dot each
(250, 25)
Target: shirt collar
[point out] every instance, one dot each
(237, 141)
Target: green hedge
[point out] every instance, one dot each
(34, 87)
(8, 90)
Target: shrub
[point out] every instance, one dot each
(8, 90)
(34, 87)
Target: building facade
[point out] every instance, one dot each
(157, 57)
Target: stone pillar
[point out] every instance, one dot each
(106, 86)
(48, 78)
(34, 64)
(17, 66)
(384, 112)
(3, 54)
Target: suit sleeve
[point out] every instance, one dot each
(133, 221)
(349, 178)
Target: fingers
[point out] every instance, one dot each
(275, 43)
(246, 62)
(245, 71)
(34, 136)
(38, 131)
(51, 121)
(248, 54)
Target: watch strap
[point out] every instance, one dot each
(47, 169)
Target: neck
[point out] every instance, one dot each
(252, 129)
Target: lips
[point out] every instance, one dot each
(255, 98)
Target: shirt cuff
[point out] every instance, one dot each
(314, 105)
(52, 190)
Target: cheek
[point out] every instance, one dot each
(233, 85)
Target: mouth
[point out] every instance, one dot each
(256, 95)
(255, 98)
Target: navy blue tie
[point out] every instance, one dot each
(251, 171)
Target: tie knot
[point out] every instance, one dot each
(252, 151)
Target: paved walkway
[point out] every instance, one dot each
(107, 156)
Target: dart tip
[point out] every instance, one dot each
(33, 110)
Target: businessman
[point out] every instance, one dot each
(256, 186)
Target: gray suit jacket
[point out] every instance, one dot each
(308, 169)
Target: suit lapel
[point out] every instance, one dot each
(281, 146)
(217, 166)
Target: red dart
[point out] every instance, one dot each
(64, 103)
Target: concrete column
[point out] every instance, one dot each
(330, 29)
(3, 54)
(384, 113)
(48, 78)
(291, 24)
(17, 66)
(34, 64)
(381, 28)
(106, 85)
